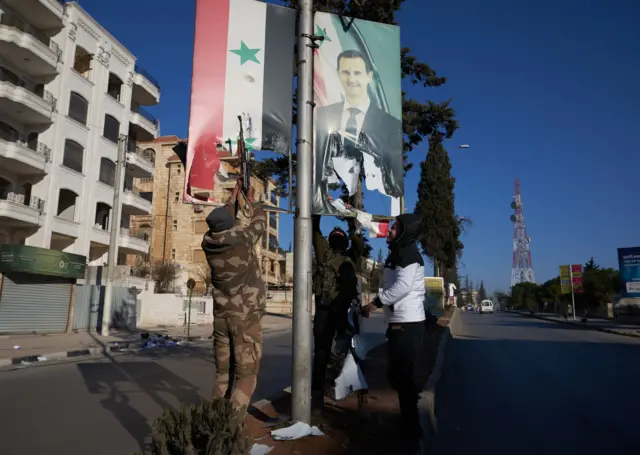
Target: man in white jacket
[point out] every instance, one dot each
(402, 298)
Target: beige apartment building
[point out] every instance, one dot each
(175, 229)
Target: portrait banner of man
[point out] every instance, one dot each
(358, 113)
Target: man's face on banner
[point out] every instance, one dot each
(354, 79)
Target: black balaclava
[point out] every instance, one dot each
(338, 240)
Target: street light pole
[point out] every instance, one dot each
(302, 330)
(112, 258)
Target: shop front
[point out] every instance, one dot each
(37, 289)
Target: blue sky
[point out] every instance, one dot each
(546, 91)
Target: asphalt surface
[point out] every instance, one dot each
(517, 385)
(107, 406)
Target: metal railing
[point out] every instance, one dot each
(19, 25)
(135, 150)
(137, 235)
(147, 115)
(5, 76)
(21, 199)
(145, 73)
(36, 147)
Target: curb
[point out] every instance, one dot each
(577, 324)
(20, 362)
(427, 401)
(96, 351)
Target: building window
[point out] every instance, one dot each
(274, 199)
(114, 87)
(200, 227)
(78, 108)
(107, 172)
(147, 195)
(273, 221)
(273, 267)
(67, 202)
(176, 196)
(175, 225)
(173, 253)
(103, 213)
(149, 155)
(82, 62)
(273, 243)
(179, 169)
(264, 242)
(8, 133)
(111, 128)
(73, 155)
(199, 257)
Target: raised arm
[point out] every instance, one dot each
(356, 251)
(320, 244)
(258, 225)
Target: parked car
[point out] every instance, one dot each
(486, 306)
(469, 307)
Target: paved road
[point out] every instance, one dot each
(107, 406)
(514, 385)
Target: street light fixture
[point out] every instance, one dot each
(464, 146)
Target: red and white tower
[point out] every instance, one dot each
(522, 268)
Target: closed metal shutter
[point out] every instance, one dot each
(34, 303)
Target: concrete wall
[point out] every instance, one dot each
(170, 310)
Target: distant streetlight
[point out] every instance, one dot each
(464, 146)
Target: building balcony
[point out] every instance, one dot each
(21, 158)
(99, 235)
(65, 228)
(42, 14)
(144, 125)
(139, 165)
(133, 204)
(146, 90)
(29, 107)
(37, 56)
(18, 210)
(132, 243)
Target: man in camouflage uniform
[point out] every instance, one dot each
(239, 297)
(335, 288)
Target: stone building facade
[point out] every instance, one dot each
(175, 229)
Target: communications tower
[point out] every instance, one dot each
(522, 268)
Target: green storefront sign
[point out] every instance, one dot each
(40, 261)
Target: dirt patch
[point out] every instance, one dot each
(371, 429)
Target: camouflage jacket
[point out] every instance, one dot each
(335, 276)
(236, 278)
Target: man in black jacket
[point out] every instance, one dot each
(335, 287)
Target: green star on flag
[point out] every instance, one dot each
(246, 54)
(322, 32)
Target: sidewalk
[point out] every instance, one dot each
(600, 325)
(16, 349)
(372, 430)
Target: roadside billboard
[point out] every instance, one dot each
(629, 263)
(358, 112)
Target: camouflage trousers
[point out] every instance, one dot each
(237, 345)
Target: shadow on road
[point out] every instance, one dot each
(117, 381)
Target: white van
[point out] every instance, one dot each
(486, 306)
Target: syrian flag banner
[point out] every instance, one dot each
(242, 66)
(379, 230)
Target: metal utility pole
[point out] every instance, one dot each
(302, 290)
(112, 257)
